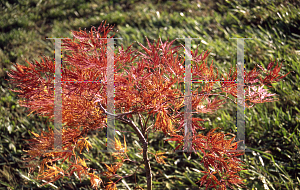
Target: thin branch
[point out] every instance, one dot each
(120, 115)
(127, 121)
(147, 120)
(205, 93)
(142, 140)
(141, 124)
(149, 127)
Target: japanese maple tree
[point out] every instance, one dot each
(147, 84)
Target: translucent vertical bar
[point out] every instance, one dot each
(240, 120)
(110, 96)
(188, 97)
(240, 116)
(58, 99)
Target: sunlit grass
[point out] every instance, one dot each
(272, 129)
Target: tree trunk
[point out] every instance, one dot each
(147, 166)
(144, 142)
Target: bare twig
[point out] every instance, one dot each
(149, 127)
(120, 115)
(143, 141)
(141, 124)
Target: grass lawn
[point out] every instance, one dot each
(272, 129)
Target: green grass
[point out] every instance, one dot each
(272, 129)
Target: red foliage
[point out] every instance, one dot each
(148, 87)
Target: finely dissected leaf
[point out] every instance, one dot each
(36, 135)
(112, 169)
(121, 151)
(95, 180)
(83, 143)
(111, 186)
(160, 158)
(150, 86)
